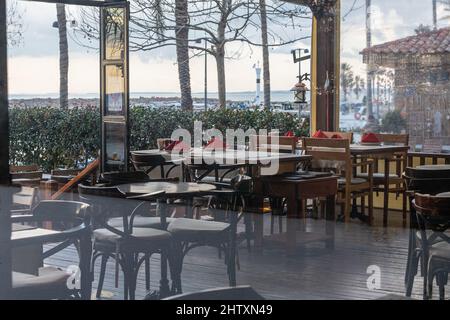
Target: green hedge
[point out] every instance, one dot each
(55, 138)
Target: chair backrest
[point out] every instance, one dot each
(433, 213)
(65, 172)
(31, 172)
(27, 168)
(115, 178)
(147, 162)
(271, 143)
(60, 210)
(427, 181)
(344, 135)
(27, 196)
(393, 139)
(331, 154)
(328, 149)
(161, 142)
(228, 293)
(106, 202)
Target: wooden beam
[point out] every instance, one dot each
(325, 71)
(5, 190)
(86, 3)
(91, 168)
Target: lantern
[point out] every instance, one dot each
(300, 90)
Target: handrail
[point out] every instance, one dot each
(423, 156)
(79, 178)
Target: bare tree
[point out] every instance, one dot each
(63, 56)
(218, 22)
(14, 24)
(265, 50)
(182, 44)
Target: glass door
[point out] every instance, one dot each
(114, 86)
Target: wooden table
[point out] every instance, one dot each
(27, 247)
(175, 190)
(172, 189)
(257, 161)
(297, 190)
(380, 152)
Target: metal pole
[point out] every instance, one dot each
(5, 196)
(300, 66)
(206, 75)
(434, 14)
(369, 65)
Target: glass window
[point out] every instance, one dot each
(395, 71)
(115, 87)
(114, 33)
(115, 135)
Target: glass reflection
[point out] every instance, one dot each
(114, 33)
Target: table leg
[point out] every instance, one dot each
(164, 289)
(386, 192)
(232, 250)
(292, 224)
(85, 266)
(330, 222)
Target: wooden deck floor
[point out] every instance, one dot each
(314, 273)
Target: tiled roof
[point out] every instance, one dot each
(437, 41)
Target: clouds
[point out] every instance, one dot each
(34, 64)
(390, 20)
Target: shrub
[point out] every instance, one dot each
(55, 138)
(393, 122)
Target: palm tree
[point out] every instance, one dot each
(63, 57)
(347, 79)
(265, 48)
(182, 45)
(360, 85)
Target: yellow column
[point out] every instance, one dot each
(314, 66)
(313, 76)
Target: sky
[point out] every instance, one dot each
(33, 64)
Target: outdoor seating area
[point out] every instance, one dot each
(123, 198)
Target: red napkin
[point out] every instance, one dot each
(176, 145)
(337, 136)
(370, 138)
(216, 144)
(181, 146)
(171, 145)
(289, 134)
(320, 135)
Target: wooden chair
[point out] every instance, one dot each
(424, 181)
(284, 145)
(149, 162)
(344, 135)
(51, 282)
(29, 175)
(125, 242)
(25, 200)
(266, 144)
(433, 217)
(396, 181)
(334, 155)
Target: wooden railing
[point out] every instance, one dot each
(421, 158)
(53, 190)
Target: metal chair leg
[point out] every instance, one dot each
(101, 278)
(147, 272)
